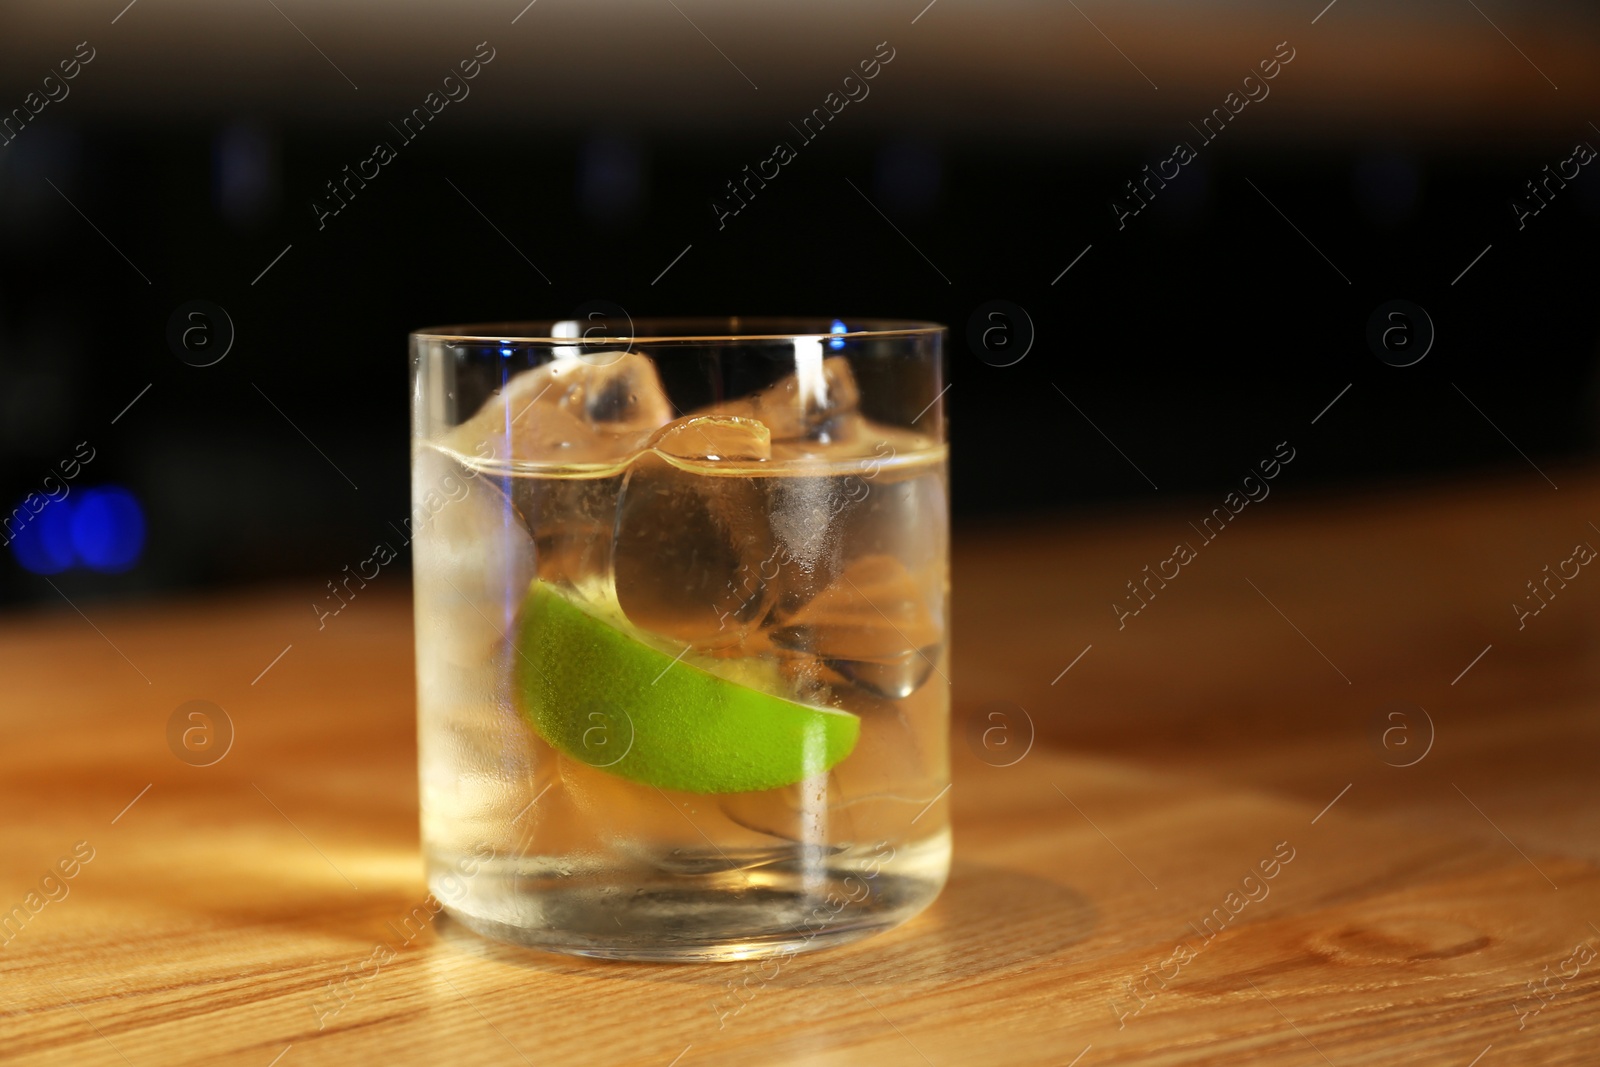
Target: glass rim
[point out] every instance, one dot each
(679, 330)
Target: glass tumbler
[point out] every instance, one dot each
(681, 631)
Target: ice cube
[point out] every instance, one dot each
(814, 403)
(569, 411)
(873, 626)
(865, 505)
(738, 516)
(715, 437)
(576, 413)
(572, 521)
(811, 416)
(471, 560)
(831, 453)
(692, 532)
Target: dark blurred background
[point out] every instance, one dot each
(182, 161)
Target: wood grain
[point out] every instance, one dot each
(1175, 756)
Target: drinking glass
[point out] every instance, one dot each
(681, 631)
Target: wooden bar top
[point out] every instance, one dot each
(1214, 845)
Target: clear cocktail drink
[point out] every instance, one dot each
(681, 635)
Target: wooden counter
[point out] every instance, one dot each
(1237, 721)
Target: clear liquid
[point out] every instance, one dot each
(829, 576)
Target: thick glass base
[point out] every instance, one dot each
(701, 905)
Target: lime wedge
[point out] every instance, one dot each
(605, 698)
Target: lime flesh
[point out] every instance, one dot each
(605, 698)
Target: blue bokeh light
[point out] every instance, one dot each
(101, 528)
(108, 529)
(837, 327)
(43, 544)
